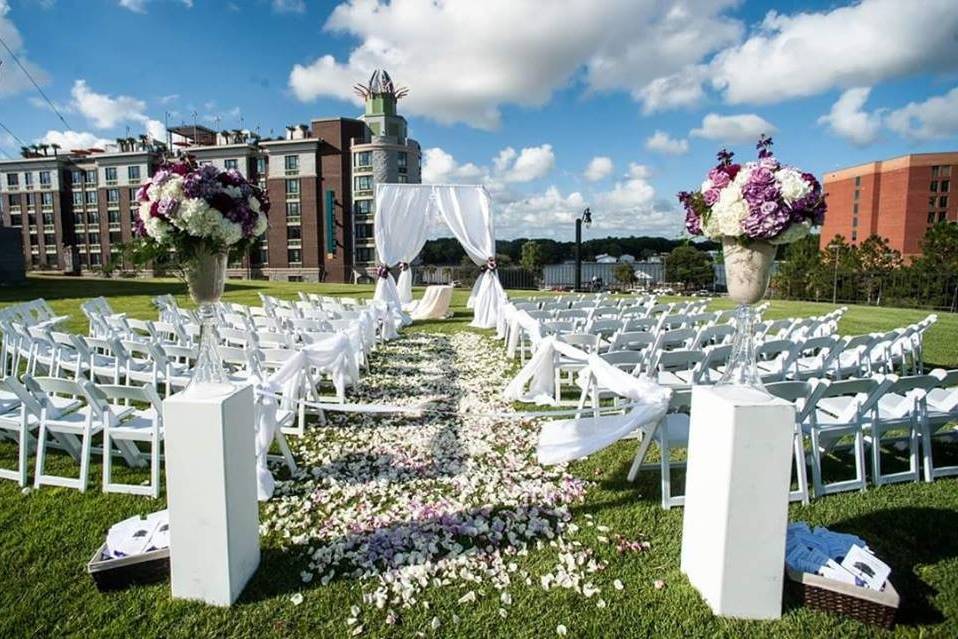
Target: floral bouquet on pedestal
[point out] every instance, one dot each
(194, 216)
(751, 208)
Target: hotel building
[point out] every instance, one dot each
(898, 199)
(74, 208)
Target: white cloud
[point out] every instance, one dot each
(848, 119)
(935, 118)
(682, 89)
(289, 6)
(14, 81)
(734, 129)
(628, 208)
(139, 6)
(483, 65)
(169, 99)
(107, 112)
(599, 168)
(532, 163)
(660, 142)
(439, 167)
(74, 140)
(860, 44)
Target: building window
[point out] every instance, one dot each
(854, 235)
(49, 239)
(48, 219)
(91, 177)
(295, 256)
(854, 222)
(292, 188)
(44, 178)
(294, 232)
(944, 186)
(28, 179)
(133, 173)
(941, 216)
(931, 217)
(292, 212)
(93, 238)
(291, 162)
(110, 173)
(46, 199)
(365, 254)
(858, 181)
(113, 217)
(261, 166)
(363, 231)
(77, 177)
(13, 180)
(943, 201)
(857, 193)
(362, 207)
(91, 197)
(77, 198)
(14, 199)
(931, 201)
(855, 208)
(402, 179)
(230, 164)
(364, 159)
(93, 217)
(31, 200)
(16, 219)
(113, 195)
(934, 186)
(402, 160)
(364, 182)
(116, 237)
(94, 259)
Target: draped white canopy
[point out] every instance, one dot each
(404, 214)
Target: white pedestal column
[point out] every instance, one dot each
(211, 490)
(736, 500)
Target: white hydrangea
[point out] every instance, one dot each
(144, 212)
(157, 229)
(261, 224)
(153, 192)
(727, 213)
(706, 185)
(792, 184)
(197, 218)
(228, 232)
(253, 203)
(233, 191)
(741, 178)
(172, 188)
(793, 233)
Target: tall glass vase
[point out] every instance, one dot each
(206, 277)
(747, 271)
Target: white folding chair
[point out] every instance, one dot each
(939, 419)
(144, 424)
(671, 432)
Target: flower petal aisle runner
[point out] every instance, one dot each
(405, 505)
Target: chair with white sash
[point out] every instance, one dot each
(671, 432)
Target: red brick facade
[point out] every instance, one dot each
(898, 199)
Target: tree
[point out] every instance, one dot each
(532, 256)
(800, 274)
(624, 273)
(876, 261)
(940, 249)
(690, 266)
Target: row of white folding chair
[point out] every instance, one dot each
(32, 313)
(67, 414)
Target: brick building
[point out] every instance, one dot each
(898, 199)
(74, 207)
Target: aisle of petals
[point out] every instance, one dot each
(447, 500)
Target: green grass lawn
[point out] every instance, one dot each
(47, 536)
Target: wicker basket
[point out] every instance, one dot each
(115, 574)
(863, 604)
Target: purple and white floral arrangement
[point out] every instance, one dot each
(762, 200)
(183, 205)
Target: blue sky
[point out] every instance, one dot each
(520, 95)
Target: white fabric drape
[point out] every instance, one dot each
(564, 440)
(399, 230)
(403, 215)
(467, 212)
(334, 355)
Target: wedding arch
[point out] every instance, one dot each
(404, 215)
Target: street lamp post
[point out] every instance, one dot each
(838, 248)
(587, 219)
